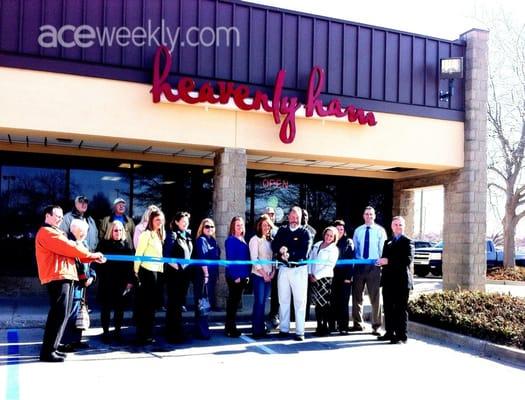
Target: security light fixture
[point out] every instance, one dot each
(450, 68)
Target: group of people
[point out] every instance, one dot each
(282, 263)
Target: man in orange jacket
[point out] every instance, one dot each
(55, 257)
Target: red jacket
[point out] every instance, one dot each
(55, 255)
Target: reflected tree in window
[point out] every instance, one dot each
(25, 191)
(321, 205)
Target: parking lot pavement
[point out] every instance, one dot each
(235, 368)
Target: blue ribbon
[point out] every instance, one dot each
(226, 263)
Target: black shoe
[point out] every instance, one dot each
(299, 338)
(356, 328)
(106, 338)
(66, 348)
(343, 332)
(321, 332)
(398, 341)
(59, 353)
(385, 337)
(144, 341)
(117, 337)
(233, 334)
(179, 339)
(81, 345)
(283, 335)
(51, 357)
(259, 335)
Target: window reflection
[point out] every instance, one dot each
(148, 188)
(325, 197)
(24, 192)
(100, 187)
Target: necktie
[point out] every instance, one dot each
(366, 247)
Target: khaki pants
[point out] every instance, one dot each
(368, 275)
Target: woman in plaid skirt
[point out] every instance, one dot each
(321, 273)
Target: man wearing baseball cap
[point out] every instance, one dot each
(79, 211)
(119, 213)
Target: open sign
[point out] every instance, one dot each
(275, 183)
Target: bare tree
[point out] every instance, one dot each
(506, 118)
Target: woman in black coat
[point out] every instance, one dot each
(178, 244)
(115, 280)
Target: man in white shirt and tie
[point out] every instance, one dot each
(369, 239)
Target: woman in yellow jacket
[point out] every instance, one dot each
(150, 244)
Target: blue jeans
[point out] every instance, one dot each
(261, 291)
(71, 333)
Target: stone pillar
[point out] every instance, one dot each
(464, 231)
(403, 205)
(229, 200)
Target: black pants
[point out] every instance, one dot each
(146, 303)
(177, 281)
(235, 291)
(341, 291)
(323, 315)
(60, 299)
(395, 304)
(105, 317)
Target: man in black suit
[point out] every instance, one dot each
(396, 280)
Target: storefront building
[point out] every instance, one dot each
(285, 108)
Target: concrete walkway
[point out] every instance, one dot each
(31, 312)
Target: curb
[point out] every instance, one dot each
(479, 346)
(510, 283)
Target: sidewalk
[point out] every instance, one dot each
(31, 312)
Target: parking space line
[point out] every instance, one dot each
(264, 348)
(12, 387)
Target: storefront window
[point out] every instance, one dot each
(26, 189)
(326, 198)
(148, 189)
(24, 192)
(101, 188)
(278, 192)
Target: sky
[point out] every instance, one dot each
(444, 19)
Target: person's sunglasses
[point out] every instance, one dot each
(209, 226)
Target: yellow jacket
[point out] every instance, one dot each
(149, 245)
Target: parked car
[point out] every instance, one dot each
(429, 259)
(423, 243)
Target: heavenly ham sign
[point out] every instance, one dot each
(280, 106)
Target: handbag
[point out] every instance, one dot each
(204, 303)
(82, 322)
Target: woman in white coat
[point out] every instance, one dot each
(320, 275)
